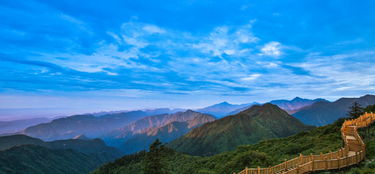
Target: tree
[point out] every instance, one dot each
(154, 159)
(355, 110)
(370, 108)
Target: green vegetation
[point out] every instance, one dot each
(264, 154)
(153, 163)
(370, 108)
(355, 111)
(32, 159)
(247, 127)
(24, 154)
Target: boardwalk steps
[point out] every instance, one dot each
(353, 152)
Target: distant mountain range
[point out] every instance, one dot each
(324, 112)
(166, 127)
(19, 125)
(89, 125)
(247, 127)
(290, 106)
(223, 109)
(24, 154)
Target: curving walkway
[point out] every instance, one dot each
(352, 153)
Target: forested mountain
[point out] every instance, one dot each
(33, 159)
(264, 154)
(23, 154)
(247, 127)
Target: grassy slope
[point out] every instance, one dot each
(265, 153)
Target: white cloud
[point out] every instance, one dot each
(154, 29)
(251, 77)
(271, 49)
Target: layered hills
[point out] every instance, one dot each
(166, 127)
(247, 127)
(9, 127)
(325, 112)
(89, 125)
(290, 106)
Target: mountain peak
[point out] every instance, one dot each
(190, 111)
(298, 99)
(368, 96)
(224, 103)
(81, 137)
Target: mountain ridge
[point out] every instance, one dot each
(247, 127)
(140, 134)
(90, 125)
(325, 112)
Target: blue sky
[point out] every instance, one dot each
(80, 56)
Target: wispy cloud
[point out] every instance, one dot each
(168, 52)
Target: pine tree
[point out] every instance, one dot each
(154, 159)
(355, 110)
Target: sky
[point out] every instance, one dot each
(65, 57)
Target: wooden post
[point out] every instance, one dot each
(356, 157)
(312, 162)
(258, 170)
(346, 159)
(342, 152)
(326, 162)
(298, 168)
(246, 170)
(286, 164)
(300, 158)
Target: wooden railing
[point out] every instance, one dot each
(353, 152)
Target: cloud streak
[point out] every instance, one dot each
(171, 55)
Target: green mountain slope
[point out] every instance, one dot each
(247, 127)
(32, 159)
(10, 141)
(264, 154)
(18, 152)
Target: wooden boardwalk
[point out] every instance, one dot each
(352, 153)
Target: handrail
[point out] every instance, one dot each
(353, 152)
